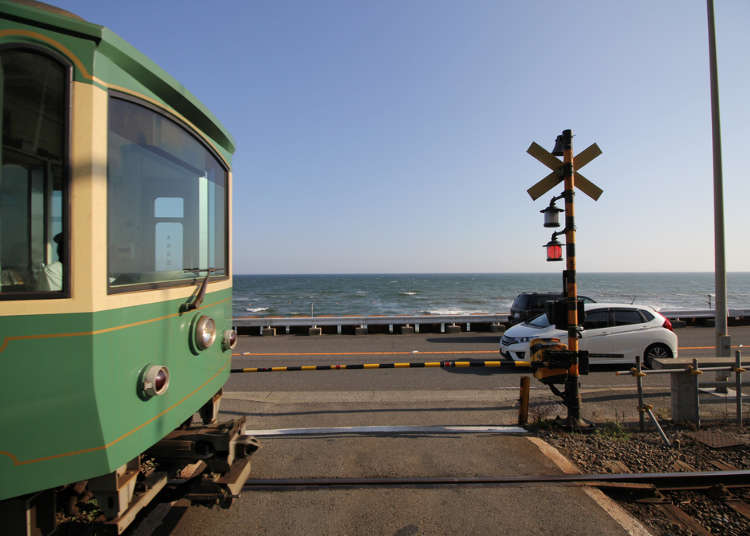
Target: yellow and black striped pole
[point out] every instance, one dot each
(571, 387)
(474, 363)
(566, 170)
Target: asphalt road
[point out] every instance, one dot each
(312, 399)
(432, 392)
(344, 349)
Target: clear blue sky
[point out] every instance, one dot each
(390, 136)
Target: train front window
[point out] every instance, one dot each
(166, 204)
(33, 91)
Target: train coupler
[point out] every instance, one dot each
(210, 490)
(207, 464)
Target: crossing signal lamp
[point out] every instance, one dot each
(559, 146)
(552, 215)
(554, 250)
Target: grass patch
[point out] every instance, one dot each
(612, 430)
(542, 424)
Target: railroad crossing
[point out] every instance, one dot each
(467, 397)
(565, 171)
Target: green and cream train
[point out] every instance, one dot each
(115, 272)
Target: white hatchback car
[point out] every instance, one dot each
(612, 333)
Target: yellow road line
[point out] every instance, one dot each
(415, 353)
(308, 354)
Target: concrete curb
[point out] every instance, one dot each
(629, 523)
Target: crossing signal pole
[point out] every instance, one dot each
(571, 292)
(566, 171)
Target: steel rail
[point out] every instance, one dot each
(661, 481)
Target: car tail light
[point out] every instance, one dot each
(667, 324)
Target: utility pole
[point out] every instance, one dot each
(723, 340)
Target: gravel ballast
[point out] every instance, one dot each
(614, 448)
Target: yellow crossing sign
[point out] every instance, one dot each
(558, 167)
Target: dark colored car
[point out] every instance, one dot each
(527, 305)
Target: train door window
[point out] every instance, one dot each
(34, 96)
(168, 212)
(167, 200)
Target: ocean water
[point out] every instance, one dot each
(387, 294)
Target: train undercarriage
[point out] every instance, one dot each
(205, 462)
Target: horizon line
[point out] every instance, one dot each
(474, 273)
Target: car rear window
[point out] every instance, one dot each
(648, 317)
(624, 317)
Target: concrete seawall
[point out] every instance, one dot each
(407, 324)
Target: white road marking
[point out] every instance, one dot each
(418, 395)
(388, 430)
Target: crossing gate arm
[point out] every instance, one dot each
(505, 365)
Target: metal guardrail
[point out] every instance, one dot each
(370, 320)
(417, 320)
(677, 314)
(685, 387)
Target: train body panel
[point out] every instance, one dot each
(71, 405)
(111, 170)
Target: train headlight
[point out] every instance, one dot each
(205, 332)
(230, 339)
(154, 380)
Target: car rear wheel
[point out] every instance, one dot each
(656, 351)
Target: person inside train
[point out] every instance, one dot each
(53, 273)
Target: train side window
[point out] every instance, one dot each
(34, 95)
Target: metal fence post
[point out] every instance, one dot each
(738, 370)
(523, 406)
(697, 402)
(639, 384)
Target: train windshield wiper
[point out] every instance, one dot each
(198, 296)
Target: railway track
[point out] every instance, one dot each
(684, 506)
(675, 497)
(694, 481)
(678, 499)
